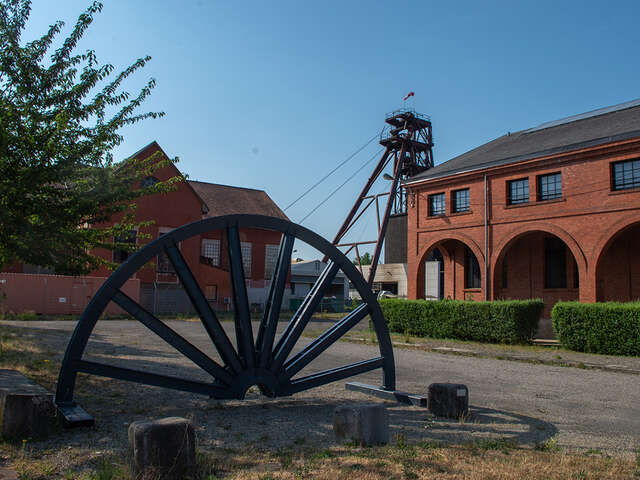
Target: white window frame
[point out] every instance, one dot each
(270, 260)
(245, 248)
(213, 253)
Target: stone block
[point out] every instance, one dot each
(449, 400)
(26, 409)
(365, 424)
(165, 448)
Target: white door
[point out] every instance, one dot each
(431, 280)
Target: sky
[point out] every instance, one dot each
(273, 95)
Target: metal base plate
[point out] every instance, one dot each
(74, 416)
(395, 395)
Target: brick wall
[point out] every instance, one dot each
(590, 218)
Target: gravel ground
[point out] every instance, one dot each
(528, 403)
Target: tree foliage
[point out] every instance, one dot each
(60, 116)
(364, 259)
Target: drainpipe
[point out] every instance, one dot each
(486, 243)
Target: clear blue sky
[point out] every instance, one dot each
(272, 95)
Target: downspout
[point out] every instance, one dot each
(486, 242)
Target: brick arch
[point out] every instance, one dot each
(601, 248)
(464, 239)
(562, 234)
(607, 238)
(468, 241)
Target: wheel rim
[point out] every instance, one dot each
(259, 360)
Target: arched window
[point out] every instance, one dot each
(149, 182)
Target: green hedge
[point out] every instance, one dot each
(502, 321)
(610, 328)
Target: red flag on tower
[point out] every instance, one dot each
(410, 94)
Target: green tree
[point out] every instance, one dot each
(59, 122)
(364, 259)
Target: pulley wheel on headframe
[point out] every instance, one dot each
(254, 360)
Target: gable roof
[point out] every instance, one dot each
(227, 200)
(597, 127)
(153, 147)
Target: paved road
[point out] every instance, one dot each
(530, 403)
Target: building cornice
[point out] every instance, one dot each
(612, 146)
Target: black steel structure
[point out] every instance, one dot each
(259, 360)
(408, 146)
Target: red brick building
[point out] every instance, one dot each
(551, 212)
(206, 255)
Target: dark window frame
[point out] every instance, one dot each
(442, 206)
(520, 199)
(210, 299)
(553, 188)
(633, 171)
(555, 263)
(505, 274)
(119, 255)
(456, 205)
(472, 272)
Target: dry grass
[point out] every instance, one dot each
(470, 462)
(398, 461)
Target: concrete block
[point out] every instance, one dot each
(165, 448)
(365, 424)
(26, 409)
(449, 400)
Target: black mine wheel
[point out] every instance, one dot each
(264, 361)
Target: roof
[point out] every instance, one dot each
(597, 127)
(227, 200)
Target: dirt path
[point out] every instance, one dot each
(527, 403)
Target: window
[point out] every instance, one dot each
(119, 254)
(555, 263)
(504, 273)
(164, 264)
(149, 182)
(211, 251)
(461, 201)
(549, 187)
(518, 191)
(471, 270)
(211, 293)
(436, 204)
(246, 258)
(270, 259)
(626, 175)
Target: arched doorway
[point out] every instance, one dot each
(537, 264)
(618, 267)
(451, 269)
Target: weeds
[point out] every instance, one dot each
(549, 445)
(503, 445)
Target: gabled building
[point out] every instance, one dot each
(550, 212)
(206, 255)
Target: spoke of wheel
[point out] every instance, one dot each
(324, 341)
(328, 376)
(295, 327)
(147, 378)
(269, 324)
(172, 337)
(244, 333)
(200, 303)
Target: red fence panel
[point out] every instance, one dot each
(55, 294)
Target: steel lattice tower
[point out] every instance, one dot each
(408, 144)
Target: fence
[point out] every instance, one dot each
(54, 294)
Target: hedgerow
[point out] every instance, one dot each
(501, 321)
(609, 328)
